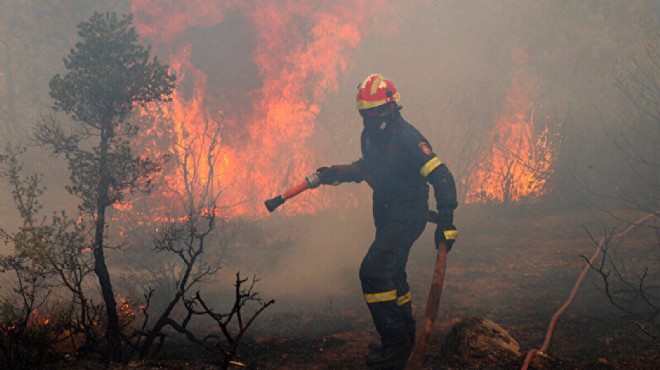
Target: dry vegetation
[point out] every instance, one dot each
(514, 265)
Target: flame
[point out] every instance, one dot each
(39, 319)
(236, 159)
(125, 307)
(520, 160)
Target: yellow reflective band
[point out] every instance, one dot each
(431, 165)
(375, 84)
(363, 104)
(451, 234)
(404, 299)
(380, 297)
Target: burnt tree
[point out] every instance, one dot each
(108, 75)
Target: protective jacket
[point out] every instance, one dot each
(397, 162)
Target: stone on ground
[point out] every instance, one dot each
(478, 342)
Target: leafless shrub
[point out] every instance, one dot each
(182, 245)
(629, 282)
(227, 346)
(186, 240)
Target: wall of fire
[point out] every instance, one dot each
(516, 97)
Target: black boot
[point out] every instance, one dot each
(375, 347)
(390, 357)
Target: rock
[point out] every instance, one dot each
(479, 342)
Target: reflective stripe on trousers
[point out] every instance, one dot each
(384, 281)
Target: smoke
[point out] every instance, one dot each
(278, 80)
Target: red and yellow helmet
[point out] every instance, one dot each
(375, 91)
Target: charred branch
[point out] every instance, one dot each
(187, 242)
(645, 331)
(242, 297)
(621, 291)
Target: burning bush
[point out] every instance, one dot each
(47, 260)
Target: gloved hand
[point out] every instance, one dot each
(328, 175)
(446, 232)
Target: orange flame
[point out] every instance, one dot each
(39, 319)
(520, 159)
(226, 158)
(125, 307)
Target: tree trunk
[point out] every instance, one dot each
(100, 268)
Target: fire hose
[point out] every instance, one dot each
(421, 342)
(313, 181)
(551, 327)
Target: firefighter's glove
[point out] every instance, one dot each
(446, 232)
(328, 175)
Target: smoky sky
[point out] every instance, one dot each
(453, 63)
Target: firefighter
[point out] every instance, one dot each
(398, 163)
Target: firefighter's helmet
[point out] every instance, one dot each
(375, 91)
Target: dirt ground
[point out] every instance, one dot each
(515, 266)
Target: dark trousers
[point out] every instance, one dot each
(383, 277)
